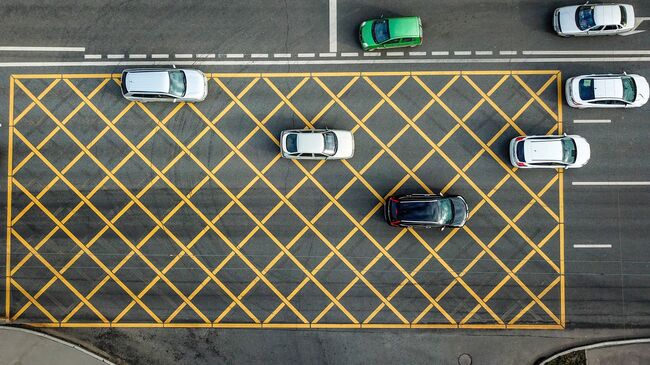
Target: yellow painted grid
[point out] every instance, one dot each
(15, 187)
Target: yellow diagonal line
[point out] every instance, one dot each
(536, 96)
(532, 302)
(40, 96)
(33, 301)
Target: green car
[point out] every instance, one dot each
(390, 33)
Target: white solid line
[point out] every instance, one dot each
(338, 61)
(205, 55)
(610, 52)
(417, 53)
(611, 183)
(44, 49)
(138, 56)
(333, 25)
(596, 245)
(508, 53)
(330, 54)
(483, 53)
(183, 55)
(309, 55)
(349, 54)
(259, 55)
(394, 53)
(372, 54)
(282, 55)
(440, 53)
(159, 55)
(462, 53)
(235, 55)
(92, 56)
(592, 121)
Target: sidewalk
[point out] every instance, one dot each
(27, 347)
(628, 352)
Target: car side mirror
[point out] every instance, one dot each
(442, 228)
(174, 66)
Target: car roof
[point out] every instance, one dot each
(148, 81)
(607, 14)
(419, 210)
(404, 27)
(608, 88)
(541, 150)
(310, 142)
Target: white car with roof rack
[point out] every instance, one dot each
(593, 19)
(549, 151)
(159, 84)
(607, 91)
(317, 144)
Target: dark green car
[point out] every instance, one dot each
(390, 33)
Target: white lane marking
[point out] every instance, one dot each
(333, 45)
(507, 53)
(462, 53)
(372, 54)
(349, 54)
(394, 53)
(205, 55)
(282, 55)
(259, 55)
(348, 61)
(235, 55)
(159, 55)
(610, 52)
(417, 53)
(114, 56)
(592, 121)
(43, 49)
(637, 22)
(137, 56)
(483, 53)
(329, 54)
(309, 55)
(611, 183)
(92, 56)
(440, 53)
(592, 245)
(183, 55)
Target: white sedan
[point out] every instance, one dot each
(607, 91)
(317, 144)
(593, 19)
(551, 152)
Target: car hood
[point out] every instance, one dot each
(583, 151)
(642, 89)
(568, 19)
(365, 34)
(197, 84)
(345, 144)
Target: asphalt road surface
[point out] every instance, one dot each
(127, 215)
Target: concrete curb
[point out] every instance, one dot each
(57, 340)
(594, 346)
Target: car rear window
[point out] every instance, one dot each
(629, 89)
(586, 88)
(380, 31)
(585, 17)
(520, 151)
(623, 15)
(291, 143)
(177, 83)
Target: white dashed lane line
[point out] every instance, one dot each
(394, 54)
(417, 53)
(483, 53)
(92, 56)
(328, 54)
(235, 55)
(205, 55)
(592, 245)
(259, 55)
(137, 56)
(462, 53)
(507, 53)
(611, 183)
(440, 53)
(115, 56)
(372, 54)
(159, 55)
(306, 55)
(349, 54)
(592, 121)
(282, 55)
(183, 55)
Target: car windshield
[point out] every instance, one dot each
(568, 150)
(330, 143)
(177, 83)
(629, 89)
(585, 17)
(446, 211)
(380, 31)
(586, 88)
(291, 143)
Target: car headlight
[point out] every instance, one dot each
(362, 24)
(364, 45)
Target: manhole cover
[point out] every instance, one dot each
(464, 359)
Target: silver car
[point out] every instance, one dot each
(317, 144)
(171, 85)
(593, 19)
(550, 152)
(607, 91)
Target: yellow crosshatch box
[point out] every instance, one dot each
(185, 215)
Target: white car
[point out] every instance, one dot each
(593, 19)
(607, 91)
(155, 84)
(551, 152)
(317, 144)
